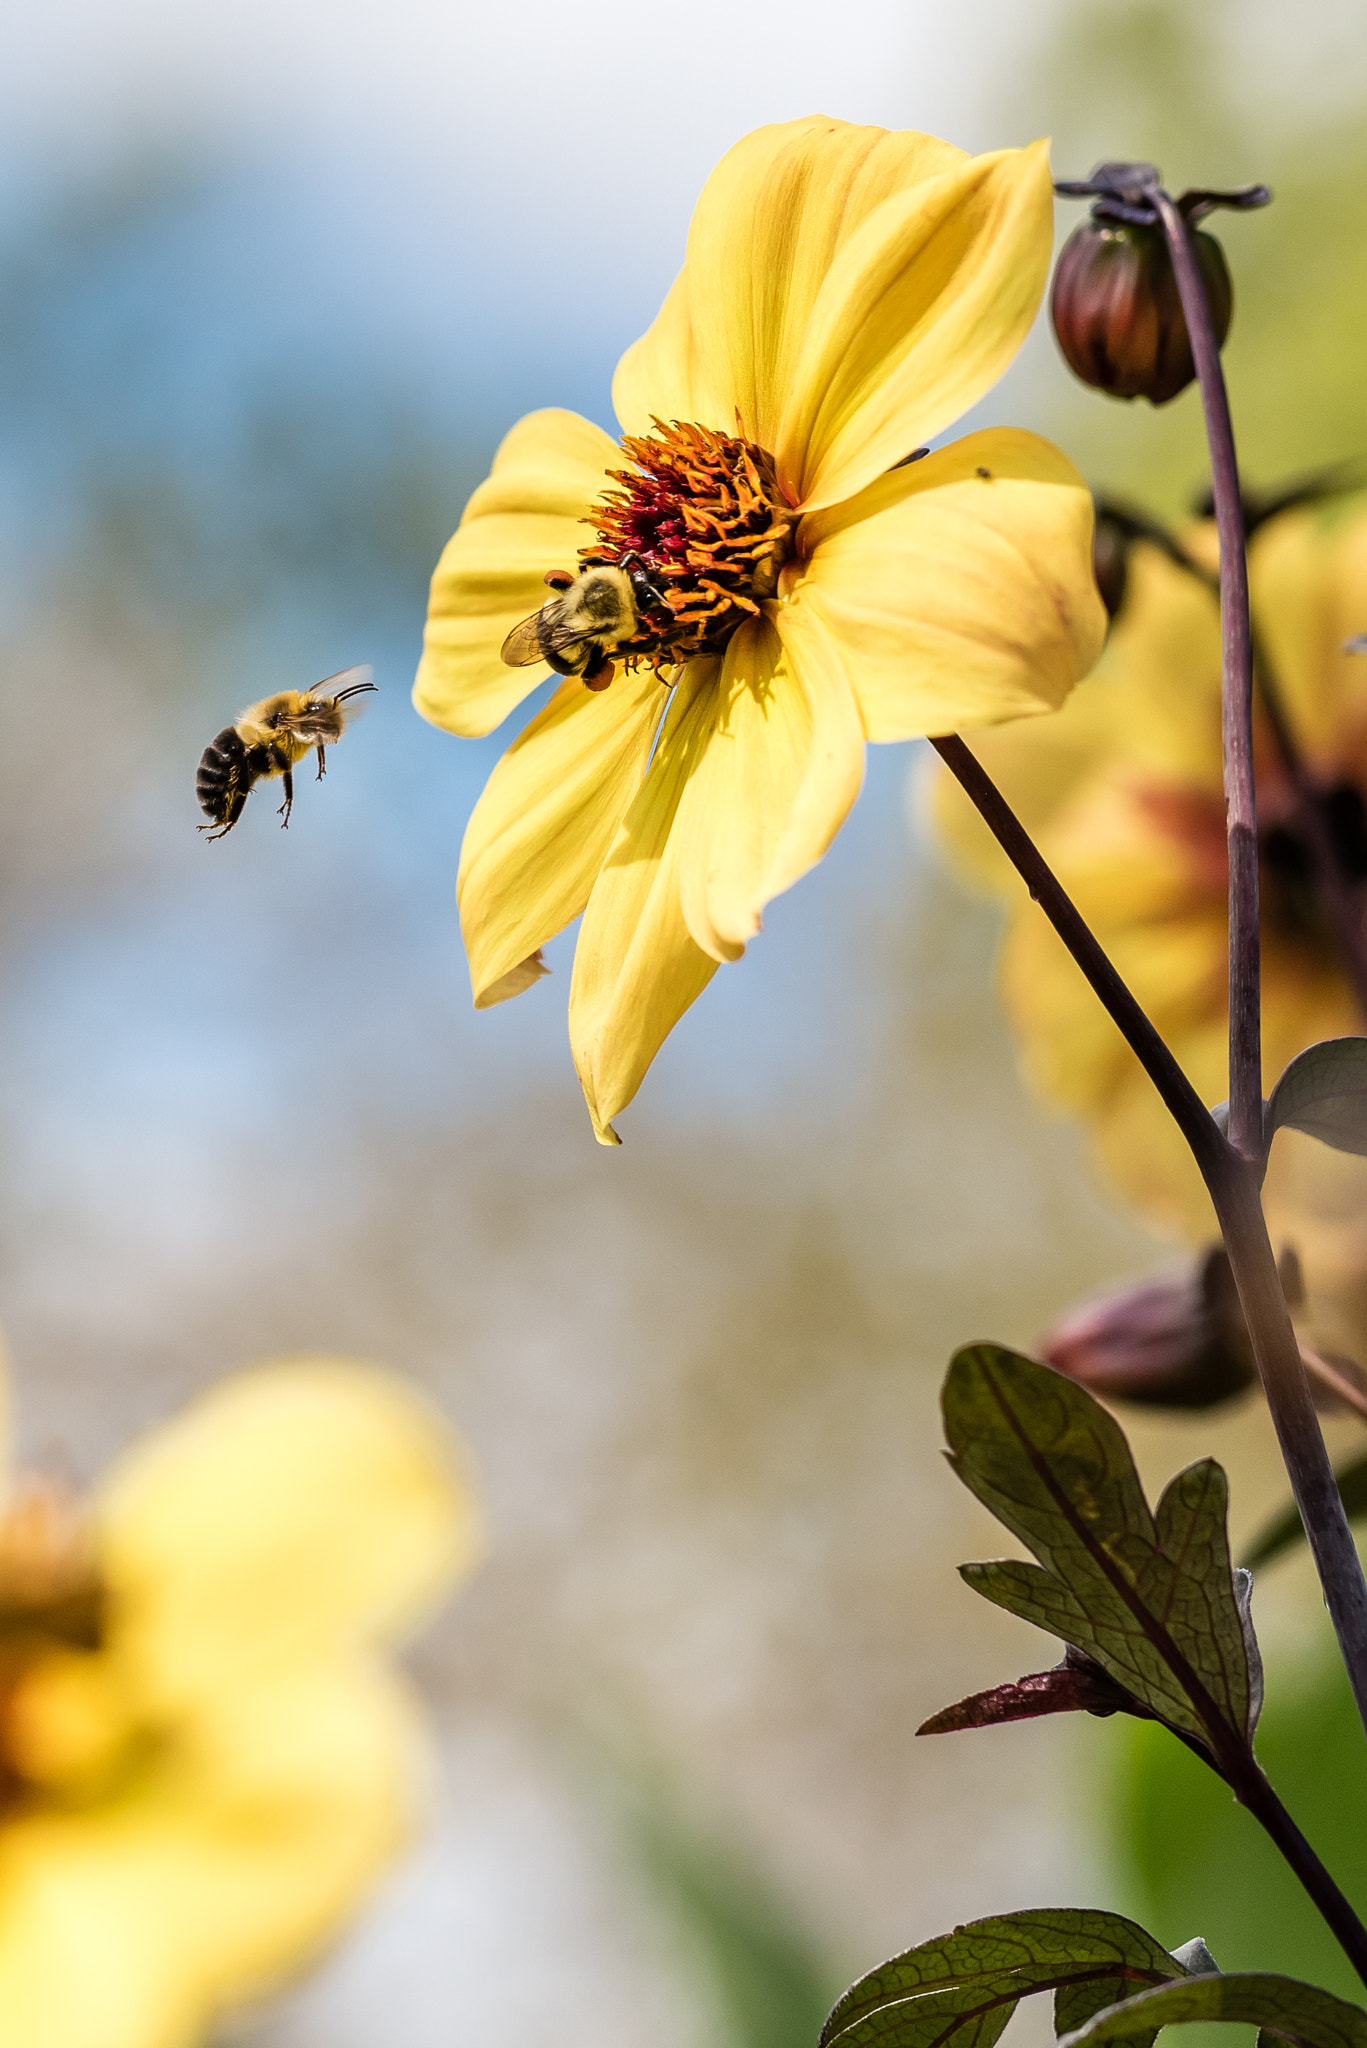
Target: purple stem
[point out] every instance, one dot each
(1234, 1190)
(1245, 1008)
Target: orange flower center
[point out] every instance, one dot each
(51, 1601)
(700, 518)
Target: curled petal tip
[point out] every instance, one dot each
(514, 983)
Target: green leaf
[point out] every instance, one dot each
(963, 1987)
(1324, 1093)
(1151, 1598)
(1075, 2003)
(1295, 2012)
(1286, 1529)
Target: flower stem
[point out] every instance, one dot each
(1180, 1098)
(1234, 1190)
(1256, 1794)
(1334, 1382)
(1245, 1011)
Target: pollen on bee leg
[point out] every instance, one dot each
(557, 579)
(599, 675)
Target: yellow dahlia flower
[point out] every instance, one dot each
(1124, 793)
(204, 1760)
(802, 584)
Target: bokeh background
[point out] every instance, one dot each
(274, 280)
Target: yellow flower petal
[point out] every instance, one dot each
(770, 223)
(636, 965)
(1149, 711)
(656, 377)
(547, 819)
(775, 783)
(1147, 1159)
(1037, 771)
(1308, 576)
(1313, 1197)
(524, 519)
(69, 1720)
(1072, 1050)
(1131, 865)
(959, 590)
(234, 1852)
(515, 982)
(922, 310)
(291, 1510)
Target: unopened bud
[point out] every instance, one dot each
(1118, 313)
(1171, 1341)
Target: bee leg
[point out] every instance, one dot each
(322, 763)
(288, 804)
(599, 673)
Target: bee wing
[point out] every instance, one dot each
(552, 630)
(523, 645)
(345, 682)
(561, 633)
(349, 683)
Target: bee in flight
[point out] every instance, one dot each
(575, 631)
(268, 739)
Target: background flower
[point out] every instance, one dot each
(206, 1761)
(818, 586)
(1124, 793)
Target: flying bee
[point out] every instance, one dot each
(575, 631)
(268, 739)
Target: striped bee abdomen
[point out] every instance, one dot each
(227, 769)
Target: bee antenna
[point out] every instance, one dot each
(356, 690)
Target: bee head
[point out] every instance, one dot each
(648, 596)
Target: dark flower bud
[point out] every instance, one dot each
(1171, 1341)
(1117, 311)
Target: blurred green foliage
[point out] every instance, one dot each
(1195, 1863)
(770, 1985)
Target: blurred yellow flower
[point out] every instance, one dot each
(805, 585)
(205, 1762)
(1123, 792)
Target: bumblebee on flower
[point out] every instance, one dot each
(795, 586)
